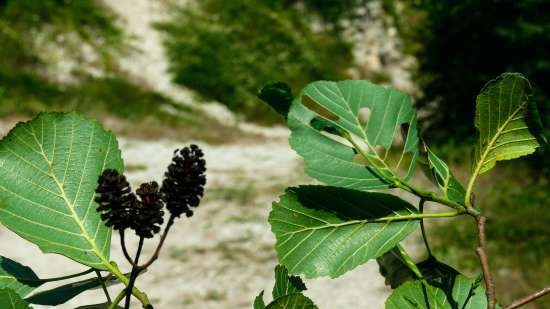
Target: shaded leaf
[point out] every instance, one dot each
(48, 173)
(64, 293)
(9, 299)
(285, 284)
(327, 231)
(19, 278)
(292, 301)
(327, 115)
(508, 123)
(451, 292)
(394, 269)
(278, 95)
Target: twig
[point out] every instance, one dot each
(482, 254)
(422, 228)
(155, 255)
(103, 286)
(135, 271)
(125, 250)
(527, 299)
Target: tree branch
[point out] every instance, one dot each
(482, 254)
(527, 299)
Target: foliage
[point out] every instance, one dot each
(226, 50)
(49, 170)
(462, 44)
(345, 131)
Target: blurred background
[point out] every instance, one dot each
(165, 73)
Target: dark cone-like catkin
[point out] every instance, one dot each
(149, 210)
(183, 186)
(115, 199)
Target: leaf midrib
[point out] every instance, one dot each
(488, 149)
(70, 205)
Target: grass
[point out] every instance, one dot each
(518, 233)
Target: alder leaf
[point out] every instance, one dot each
(48, 174)
(9, 299)
(508, 123)
(327, 231)
(19, 278)
(64, 293)
(259, 301)
(326, 116)
(453, 292)
(440, 174)
(98, 306)
(292, 301)
(285, 284)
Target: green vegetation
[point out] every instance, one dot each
(227, 50)
(517, 230)
(328, 230)
(462, 44)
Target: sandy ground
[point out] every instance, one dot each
(223, 256)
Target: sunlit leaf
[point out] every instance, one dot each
(285, 284)
(508, 122)
(327, 231)
(48, 174)
(326, 116)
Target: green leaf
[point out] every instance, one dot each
(327, 231)
(438, 172)
(48, 174)
(285, 284)
(327, 115)
(278, 95)
(508, 123)
(9, 299)
(259, 301)
(64, 293)
(396, 272)
(292, 301)
(19, 278)
(451, 292)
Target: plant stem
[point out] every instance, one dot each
(91, 270)
(103, 286)
(113, 268)
(423, 229)
(133, 275)
(155, 255)
(482, 254)
(118, 299)
(527, 299)
(125, 249)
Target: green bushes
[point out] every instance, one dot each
(227, 50)
(461, 44)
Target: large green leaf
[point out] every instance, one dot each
(292, 301)
(9, 299)
(451, 292)
(325, 116)
(48, 174)
(326, 231)
(19, 278)
(508, 123)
